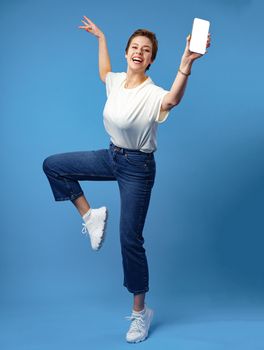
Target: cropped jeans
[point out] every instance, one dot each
(135, 173)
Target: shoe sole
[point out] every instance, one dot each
(104, 230)
(146, 336)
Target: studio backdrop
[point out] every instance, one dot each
(204, 228)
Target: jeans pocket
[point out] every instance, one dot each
(139, 160)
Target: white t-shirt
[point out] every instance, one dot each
(131, 116)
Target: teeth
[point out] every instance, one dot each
(137, 60)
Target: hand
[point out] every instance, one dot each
(90, 27)
(191, 56)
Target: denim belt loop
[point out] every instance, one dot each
(119, 149)
(126, 150)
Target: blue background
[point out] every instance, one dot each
(204, 229)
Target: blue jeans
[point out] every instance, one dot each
(135, 173)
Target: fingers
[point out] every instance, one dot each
(88, 20)
(87, 26)
(208, 43)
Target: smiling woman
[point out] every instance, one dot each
(140, 53)
(133, 109)
(150, 46)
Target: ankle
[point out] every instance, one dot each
(139, 308)
(87, 215)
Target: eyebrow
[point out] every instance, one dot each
(137, 44)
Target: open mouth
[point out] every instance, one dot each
(137, 60)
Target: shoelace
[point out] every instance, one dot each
(137, 323)
(84, 229)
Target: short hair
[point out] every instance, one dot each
(151, 36)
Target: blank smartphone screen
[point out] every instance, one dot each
(200, 31)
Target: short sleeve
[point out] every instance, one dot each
(161, 116)
(109, 79)
(113, 79)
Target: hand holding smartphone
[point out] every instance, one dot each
(199, 36)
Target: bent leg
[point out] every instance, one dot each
(64, 170)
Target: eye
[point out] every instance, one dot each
(134, 47)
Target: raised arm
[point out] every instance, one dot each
(178, 87)
(103, 55)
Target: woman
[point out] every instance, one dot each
(134, 108)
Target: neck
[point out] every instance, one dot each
(134, 79)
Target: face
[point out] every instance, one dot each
(139, 53)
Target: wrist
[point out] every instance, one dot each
(101, 36)
(186, 66)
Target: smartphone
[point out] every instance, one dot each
(199, 36)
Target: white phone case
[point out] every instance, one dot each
(199, 36)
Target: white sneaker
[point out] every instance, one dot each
(95, 226)
(140, 324)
